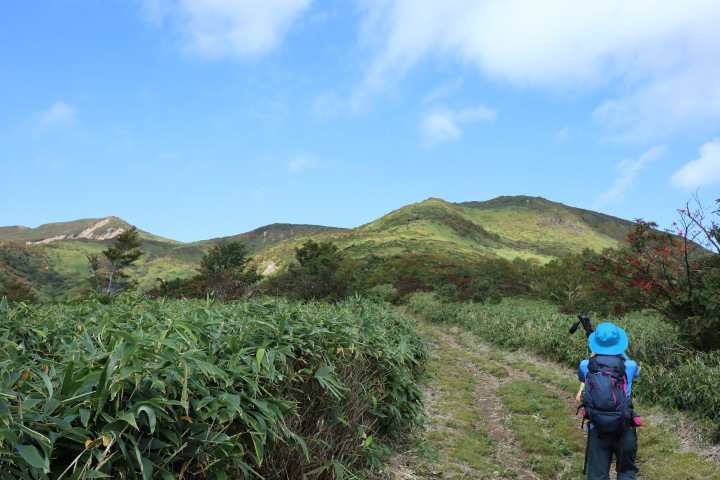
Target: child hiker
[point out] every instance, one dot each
(607, 383)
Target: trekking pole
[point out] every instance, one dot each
(587, 326)
(585, 321)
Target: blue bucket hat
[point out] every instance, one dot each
(608, 339)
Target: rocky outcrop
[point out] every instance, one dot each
(90, 233)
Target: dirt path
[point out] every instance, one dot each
(494, 414)
(491, 415)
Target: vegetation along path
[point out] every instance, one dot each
(495, 414)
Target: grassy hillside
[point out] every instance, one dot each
(508, 227)
(98, 229)
(267, 236)
(53, 257)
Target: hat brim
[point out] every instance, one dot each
(616, 349)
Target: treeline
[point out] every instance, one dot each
(322, 272)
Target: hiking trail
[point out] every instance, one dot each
(497, 414)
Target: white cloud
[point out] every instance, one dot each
(305, 162)
(442, 91)
(227, 28)
(443, 126)
(658, 56)
(60, 114)
(628, 170)
(704, 170)
(439, 128)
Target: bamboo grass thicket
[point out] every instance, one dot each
(194, 389)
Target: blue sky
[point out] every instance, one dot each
(195, 119)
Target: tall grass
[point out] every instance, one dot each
(141, 389)
(672, 374)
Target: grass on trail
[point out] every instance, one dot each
(454, 427)
(534, 434)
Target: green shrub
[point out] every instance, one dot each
(381, 293)
(142, 389)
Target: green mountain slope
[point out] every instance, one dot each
(267, 236)
(508, 227)
(98, 229)
(53, 257)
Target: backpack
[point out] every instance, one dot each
(606, 403)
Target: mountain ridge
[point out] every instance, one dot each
(531, 228)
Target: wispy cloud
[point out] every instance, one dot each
(659, 58)
(227, 28)
(444, 126)
(305, 162)
(442, 91)
(627, 171)
(562, 135)
(704, 170)
(58, 115)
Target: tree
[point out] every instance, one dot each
(675, 273)
(227, 272)
(565, 281)
(321, 272)
(110, 277)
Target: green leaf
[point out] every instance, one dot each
(51, 405)
(45, 441)
(339, 469)
(8, 435)
(46, 380)
(67, 383)
(31, 455)
(84, 416)
(146, 468)
(259, 356)
(128, 352)
(129, 418)
(5, 415)
(259, 447)
(151, 416)
(96, 474)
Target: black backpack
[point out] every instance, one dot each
(607, 405)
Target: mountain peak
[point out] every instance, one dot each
(87, 229)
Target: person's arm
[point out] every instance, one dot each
(578, 397)
(581, 376)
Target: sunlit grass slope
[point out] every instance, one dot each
(63, 248)
(508, 227)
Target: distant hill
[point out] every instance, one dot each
(264, 237)
(53, 257)
(508, 227)
(88, 229)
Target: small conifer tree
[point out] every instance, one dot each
(110, 277)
